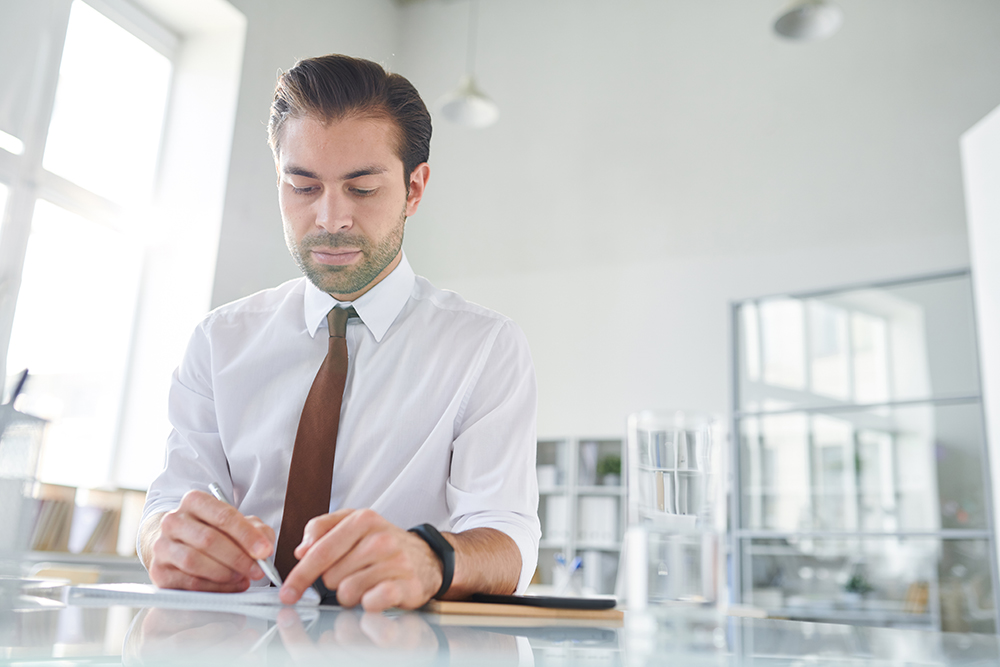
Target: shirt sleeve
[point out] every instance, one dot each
(194, 456)
(493, 482)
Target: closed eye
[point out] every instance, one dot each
(364, 192)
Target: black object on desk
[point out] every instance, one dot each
(546, 601)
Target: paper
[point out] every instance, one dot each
(146, 595)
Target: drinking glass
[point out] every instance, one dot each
(20, 442)
(675, 541)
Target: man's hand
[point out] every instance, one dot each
(367, 560)
(205, 545)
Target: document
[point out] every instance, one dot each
(147, 595)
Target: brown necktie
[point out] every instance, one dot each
(310, 475)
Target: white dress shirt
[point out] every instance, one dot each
(437, 424)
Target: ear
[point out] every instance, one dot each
(418, 182)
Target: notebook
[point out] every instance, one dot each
(147, 595)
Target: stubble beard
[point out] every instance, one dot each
(346, 279)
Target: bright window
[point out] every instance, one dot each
(108, 115)
(77, 303)
(72, 330)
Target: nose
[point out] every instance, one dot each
(334, 211)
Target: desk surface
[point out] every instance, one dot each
(37, 630)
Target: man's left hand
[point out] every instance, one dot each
(367, 560)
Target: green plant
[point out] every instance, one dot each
(858, 584)
(609, 465)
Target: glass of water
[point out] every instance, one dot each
(676, 483)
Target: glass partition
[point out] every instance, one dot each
(861, 490)
(902, 342)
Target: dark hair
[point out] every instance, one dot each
(334, 87)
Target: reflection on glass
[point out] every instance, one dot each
(906, 581)
(909, 342)
(72, 329)
(751, 341)
(109, 108)
(783, 341)
(869, 347)
(909, 468)
(828, 350)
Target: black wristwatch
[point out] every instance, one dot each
(440, 546)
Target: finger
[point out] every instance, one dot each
(327, 550)
(170, 577)
(226, 518)
(386, 594)
(263, 527)
(180, 527)
(372, 549)
(405, 632)
(317, 527)
(295, 638)
(400, 590)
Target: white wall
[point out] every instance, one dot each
(252, 252)
(654, 160)
(981, 167)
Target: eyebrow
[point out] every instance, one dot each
(370, 170)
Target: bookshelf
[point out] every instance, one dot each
(86, 523)
(582, 511)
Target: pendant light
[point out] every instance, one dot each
(808, 20)
(467, 105)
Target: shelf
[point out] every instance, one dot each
(569, 509)
(598, 546)
(600, 491)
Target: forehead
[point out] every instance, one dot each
(310, 141)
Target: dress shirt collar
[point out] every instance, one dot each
(377, 308)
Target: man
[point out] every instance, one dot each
(438, 402)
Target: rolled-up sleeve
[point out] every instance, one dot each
(194, 455)
(493, 483)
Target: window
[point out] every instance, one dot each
(83, 256)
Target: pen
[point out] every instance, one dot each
(269, 570)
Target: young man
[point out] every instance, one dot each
(437, 421)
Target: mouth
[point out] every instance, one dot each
(336, 256)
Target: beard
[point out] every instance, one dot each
(346, 279)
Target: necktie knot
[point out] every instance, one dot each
(337, 320)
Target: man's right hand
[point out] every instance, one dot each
(205, 545)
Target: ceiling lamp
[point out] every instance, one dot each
(809, 20)
(467, 105)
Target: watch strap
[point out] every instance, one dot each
(444, 551)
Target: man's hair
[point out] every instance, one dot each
(335, 87)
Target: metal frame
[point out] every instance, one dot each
(738, 535)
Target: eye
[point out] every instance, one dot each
(364, 192)
(301, 190)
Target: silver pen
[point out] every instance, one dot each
(269, 570)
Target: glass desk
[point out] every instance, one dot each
(38, 628)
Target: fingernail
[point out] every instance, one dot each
(262, 549)
(256, 572)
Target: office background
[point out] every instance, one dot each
(654, 162)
